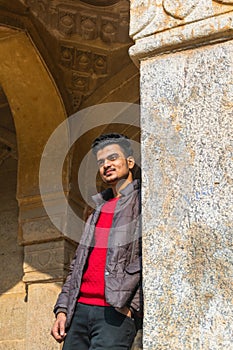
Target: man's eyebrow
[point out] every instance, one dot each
(110, 155)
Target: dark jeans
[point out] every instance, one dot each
(99, 328)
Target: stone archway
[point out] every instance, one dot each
(37, 109)
(34, 100)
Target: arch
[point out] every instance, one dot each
(34, 100)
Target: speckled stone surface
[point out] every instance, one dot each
(187, 162)
(150, 16)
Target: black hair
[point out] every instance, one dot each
(113, 138)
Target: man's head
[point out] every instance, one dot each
(114, 157)
(113, 138)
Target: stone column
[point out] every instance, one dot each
(185, 53)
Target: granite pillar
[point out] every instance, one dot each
(185, 54)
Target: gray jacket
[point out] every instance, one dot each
(123, 262)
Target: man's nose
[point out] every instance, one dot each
(107, 163)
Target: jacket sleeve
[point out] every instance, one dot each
(137, 301)
(136, 307)
(135, 269)
(62, 300)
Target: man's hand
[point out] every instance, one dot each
(124, 310)
(58, 330)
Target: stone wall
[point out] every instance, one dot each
(12, 290)
(187, 203)
(185, 53)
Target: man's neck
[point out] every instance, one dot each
(117, 188)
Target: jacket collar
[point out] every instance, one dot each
(104, 196)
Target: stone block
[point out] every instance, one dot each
(12, 345)
(11, 254)
(13, 310)
(47, 261)
(40, 318)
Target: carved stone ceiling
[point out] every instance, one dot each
(84, 43)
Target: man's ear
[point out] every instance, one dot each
(131, 162)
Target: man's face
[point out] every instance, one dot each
(113, 165)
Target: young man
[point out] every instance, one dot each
(101, 298)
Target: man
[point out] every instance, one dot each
(101, 298)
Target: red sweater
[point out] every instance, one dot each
(92, 286)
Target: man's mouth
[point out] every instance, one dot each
(108, 172)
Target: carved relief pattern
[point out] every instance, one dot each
(86, 34)
(40, 6)
(100, 64)
(179, 9)
(38, 227)
(86, 67)
(66, 22)
(67, 56)
(88, 26)
(76, 98)
(87, 21)
(89, 62)
(81, 83)
(149, 17)
(48, 257)
(83, 61)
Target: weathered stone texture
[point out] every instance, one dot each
(13, 327)
(12, 290)
(149, 17)
(41, 298)
(12, 345)
(47, 261)
(210, 30)
(187, 151)
(33, 99)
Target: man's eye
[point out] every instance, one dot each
(100, 163)
(112, 157)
